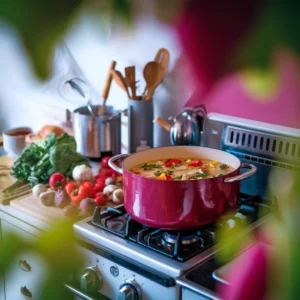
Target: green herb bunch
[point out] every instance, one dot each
(40, 160)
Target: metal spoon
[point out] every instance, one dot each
(83, 90)
(153, 74)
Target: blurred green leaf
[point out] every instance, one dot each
(41, 25)
(231, 241)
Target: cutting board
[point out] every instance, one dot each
(5, 181)
(31, 206)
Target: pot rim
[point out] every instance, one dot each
(220, 178)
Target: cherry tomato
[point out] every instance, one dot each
(172, 162)
(70, 187)
(57, 181)
(100, 199)
(99, 186)
(110, 172)
(104, 161)
(91, 188)
(195, 163)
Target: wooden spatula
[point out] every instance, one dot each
(106, 88)
(120, 80)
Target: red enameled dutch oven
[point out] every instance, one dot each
(180, 205)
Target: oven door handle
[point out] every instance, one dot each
(80, 294)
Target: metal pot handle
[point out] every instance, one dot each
(201, 109)
(242, 176)
(115, 158)
(115, 116)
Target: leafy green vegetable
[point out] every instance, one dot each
(199, 175)
(223, 167)
(150, 167)
(40, 160)
(158, 173)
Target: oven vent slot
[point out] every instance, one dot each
(265, 161)
(262, 144)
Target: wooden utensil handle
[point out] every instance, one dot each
(108, 80)
(163, 123)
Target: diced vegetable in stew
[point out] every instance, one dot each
(182, 169)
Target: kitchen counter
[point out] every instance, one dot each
(8, 213)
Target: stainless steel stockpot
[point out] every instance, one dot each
(97, 134)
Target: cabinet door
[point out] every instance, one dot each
(27, 271)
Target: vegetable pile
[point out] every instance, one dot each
(40, 160)
(79, 197)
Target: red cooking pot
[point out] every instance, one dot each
(180, 205)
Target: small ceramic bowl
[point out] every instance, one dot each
(14, 140)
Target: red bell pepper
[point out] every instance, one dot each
(195, 163)
(77, 193)
(168, 177)
(172, 162)
(57, 181)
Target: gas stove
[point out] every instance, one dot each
(178, 245)
(128, 260)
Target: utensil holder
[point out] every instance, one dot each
(140, 114)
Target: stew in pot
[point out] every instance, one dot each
(182, 169)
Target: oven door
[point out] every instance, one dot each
(79, 294)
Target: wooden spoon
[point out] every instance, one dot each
(106, 88)
(130, 80)
(163, 57)
(153, 74)
(120, 80)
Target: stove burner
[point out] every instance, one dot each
(181, 245)
(185, 240)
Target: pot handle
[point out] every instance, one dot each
(242, 176)
(115, 158)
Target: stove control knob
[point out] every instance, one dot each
(91, 280)
(130, 290)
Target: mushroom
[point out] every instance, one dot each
(118, 196)
(108, 190)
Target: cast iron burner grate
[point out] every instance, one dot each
(179, 245)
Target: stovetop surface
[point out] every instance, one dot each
(178, 245)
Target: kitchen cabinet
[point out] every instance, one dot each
(27, 271)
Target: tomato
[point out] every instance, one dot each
(168, 177)
(110, 172)
(172, 162)
(70, 187)
(195, 163)
(57, 181)
(100, 199)
(104, 161)
(91, 188)
(99, 186)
